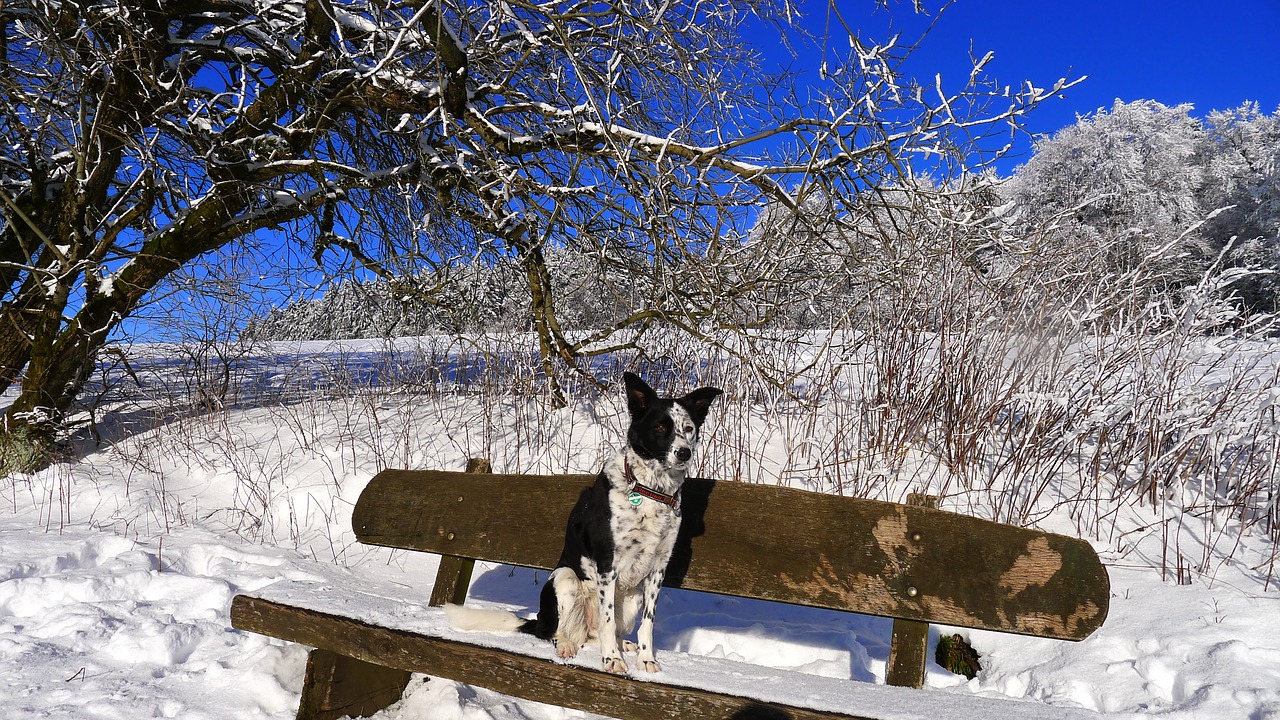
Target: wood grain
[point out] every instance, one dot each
(336, 687)
(909, 643)
(511, 674)
(772, 543)
(453, 577)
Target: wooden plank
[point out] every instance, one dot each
(453, 577)
(338, 686)
(909, 644)
(907, 654)
(772, 543)
(508, 673)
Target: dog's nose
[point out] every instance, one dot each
(683, 454)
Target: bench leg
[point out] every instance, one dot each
(909, 647)
(907, 654)
(454, 576)
(453, 579)
(337, 686)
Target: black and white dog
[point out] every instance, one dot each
(619, 538)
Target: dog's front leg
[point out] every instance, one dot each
(628, 612)
(648, 608)
(613, 661)
(574, 621)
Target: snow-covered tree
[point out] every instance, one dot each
(1121, 188)
(1149, 188)
(1244, 182)
(410, 135)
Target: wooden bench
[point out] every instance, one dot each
(916, 564)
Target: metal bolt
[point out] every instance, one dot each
(459, 498)
(450, 536)
(912, 592)
(915, 537)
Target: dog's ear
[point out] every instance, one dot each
(640, 397)
(699, 401)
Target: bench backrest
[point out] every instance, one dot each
(771, 543)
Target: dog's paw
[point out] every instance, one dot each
(565, 649)
(627, 646)
(650, 666)
(615, 665)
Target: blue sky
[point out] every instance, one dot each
(1214, 55)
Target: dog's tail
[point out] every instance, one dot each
(475, 619)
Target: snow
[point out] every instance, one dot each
(117, 573)
(93, 624)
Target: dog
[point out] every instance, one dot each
(618, 540)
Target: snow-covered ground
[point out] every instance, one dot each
(117, 572)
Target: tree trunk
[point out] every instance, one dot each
(60, 239)
(61, 355)
(542, 306)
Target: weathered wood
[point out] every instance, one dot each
(909, 644)
(453, 577)
(511, 674)
(842, 553)
(908, 648)
(338, 686)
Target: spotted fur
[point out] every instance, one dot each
(616, 549)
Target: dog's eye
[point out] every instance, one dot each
(688, 429)
(660, 428)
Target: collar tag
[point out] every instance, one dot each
(635, 498)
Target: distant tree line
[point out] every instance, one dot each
(465, 298)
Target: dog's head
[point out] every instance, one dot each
(665, 429)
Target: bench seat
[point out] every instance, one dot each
(388, 625)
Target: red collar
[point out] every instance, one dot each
(638, 489)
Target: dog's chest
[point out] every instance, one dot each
(644, 536)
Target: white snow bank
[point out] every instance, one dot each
(94, 625)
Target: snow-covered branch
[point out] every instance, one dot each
(399, 135)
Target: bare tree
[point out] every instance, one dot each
(400, 135)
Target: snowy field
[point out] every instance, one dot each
(117, 570)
